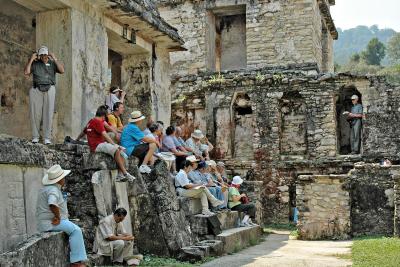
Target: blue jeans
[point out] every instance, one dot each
(217, 193)
(76, 244)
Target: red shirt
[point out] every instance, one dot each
(93, 130)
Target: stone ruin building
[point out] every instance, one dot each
(256, 76)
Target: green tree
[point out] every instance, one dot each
(374, 52)
(355, 58)
(393, 49)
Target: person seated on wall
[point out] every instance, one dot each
(217, 179)
(168, 145)
(137, 144)
(238, 201)
(114, 118)
(222, 171)
(149, 122)
(179, 142)
(52, 213)
(113, 241)
(202, 176)
(100, 142)
(116, 95)
(186, 188)
(199, 144)
(169, 158)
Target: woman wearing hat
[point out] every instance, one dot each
(198, 148)
(52, 213)
(235, 202)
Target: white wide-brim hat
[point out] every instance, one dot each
(237, 180)
(198, 134)
(354, 97)
(54, 174)
(43, 50)
(192, 159)
(136, 116)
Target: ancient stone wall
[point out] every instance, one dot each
(372, 199)
(45, 249)
(296, 115)
(17, 43)
(324, 207)
(276, 32)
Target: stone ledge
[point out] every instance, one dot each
(36, 250)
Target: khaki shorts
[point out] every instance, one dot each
(107, 148)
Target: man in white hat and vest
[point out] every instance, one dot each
(43, 66)
(355, 118)
(197, 147)
(52, 213)
(136, 143)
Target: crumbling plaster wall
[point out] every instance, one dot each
(146, 79)
(17, 43)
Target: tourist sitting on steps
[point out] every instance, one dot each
(195, 143)
(114, 118)
(168, 145)
(202, 176)
(113, 241)
(116, 95)
(52, 213)
(235, 203)
(185, 188)
(100, 142)
(137, 144)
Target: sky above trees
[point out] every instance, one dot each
(351, 13)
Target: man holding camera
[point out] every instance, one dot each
(43, 66)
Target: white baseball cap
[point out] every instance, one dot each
(354, 97)
(43, 50)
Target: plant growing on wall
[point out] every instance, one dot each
(216, 79)
(260, 77)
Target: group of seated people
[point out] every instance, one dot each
(207, 181)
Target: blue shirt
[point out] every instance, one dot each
(131, 137)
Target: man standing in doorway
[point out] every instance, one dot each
(44, 66)
(355, 118)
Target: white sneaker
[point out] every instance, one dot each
(208, 213)
(130, 177)
(250, 223)
(144, 169)
(121, 178)
(47, 141)
(35, 140)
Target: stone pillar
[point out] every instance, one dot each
(80, 42)
(396, 221)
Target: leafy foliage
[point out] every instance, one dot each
(374, 53)
(354, 40)
(393, 49)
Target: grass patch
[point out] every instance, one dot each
(376, 251)
(295, 233)
(150, 260)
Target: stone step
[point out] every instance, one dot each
(200, 223)
(236, 239)
(190, 206)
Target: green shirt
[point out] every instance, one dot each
(233, 191)
(44, 73)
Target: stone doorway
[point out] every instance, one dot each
(343, 103)
(243, 127)
(114, 68)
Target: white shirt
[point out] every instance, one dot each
(181, 180)
(111, 99)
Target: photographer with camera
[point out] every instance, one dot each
(43, 66)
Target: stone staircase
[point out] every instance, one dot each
(218, 234)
